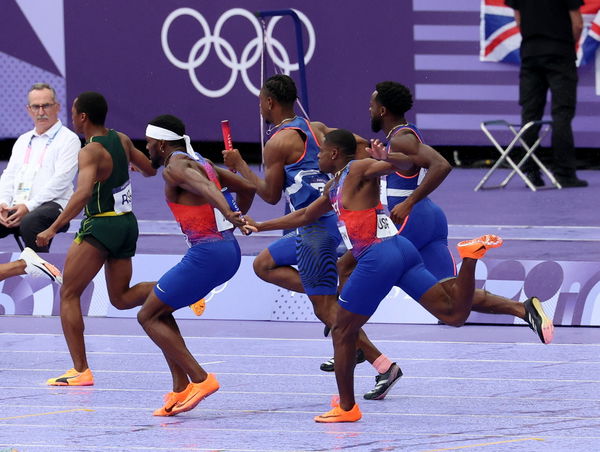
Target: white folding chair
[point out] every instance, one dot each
(518, 132)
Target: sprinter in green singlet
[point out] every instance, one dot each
(108, 233)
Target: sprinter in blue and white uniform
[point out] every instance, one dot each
(291, 168)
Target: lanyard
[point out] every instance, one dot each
(41, 159)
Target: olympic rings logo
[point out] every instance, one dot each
(225, 52)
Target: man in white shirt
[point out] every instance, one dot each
(38, 180)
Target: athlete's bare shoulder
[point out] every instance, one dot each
(405, 141)
(94, 149)
(285, 146)
(320, 127)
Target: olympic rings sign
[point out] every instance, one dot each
(250, 55)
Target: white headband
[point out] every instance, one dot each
(159, 133)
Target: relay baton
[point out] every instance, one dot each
(226, 130)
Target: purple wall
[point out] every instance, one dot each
(117, 50)
(430, 45)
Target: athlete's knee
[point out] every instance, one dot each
(344, 332)
(345, 326)
(143, 317)
(454, 318)
(340, 331)
(263, 264)
(456, 321)
(119, 302)
(325, 307)
(69, 293)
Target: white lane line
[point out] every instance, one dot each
(524, 226)
(311, 394)
(282, 339)
(454, 416)
(401, 436)
(325, 375)
(403, 359)
(130, 447)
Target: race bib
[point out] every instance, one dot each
(344, 233)
(122, 197)
(385, 226)
(222, 223)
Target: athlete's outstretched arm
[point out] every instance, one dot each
(244, 189)
(301, 217)
(86, 177)
(137, 158)
(372, 169)
(320, 130)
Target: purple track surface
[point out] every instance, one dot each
(484, 388)
(490, 388)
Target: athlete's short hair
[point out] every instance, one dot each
(282, 88)
(343, 139)
(394, 96)
(172, 123)
(93, 105)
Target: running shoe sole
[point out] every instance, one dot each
(546, 334)
(395, 380)
(476, 248)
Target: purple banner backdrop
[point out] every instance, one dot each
(117, 50)
(570, 290)
(199, 60)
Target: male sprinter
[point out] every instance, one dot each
(193, 191)
(290, 160)
(385, 259)
(108, 233)
(422, 221)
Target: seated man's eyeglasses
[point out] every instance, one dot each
(36, 107)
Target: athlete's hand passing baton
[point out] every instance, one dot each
(377, 150)
(250, 226)
(236, 219)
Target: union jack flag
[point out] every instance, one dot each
(590, 38)
(500, 37)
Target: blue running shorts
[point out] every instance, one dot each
(314, 249)
(427, 230)
(393, 262)
(204, 267)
